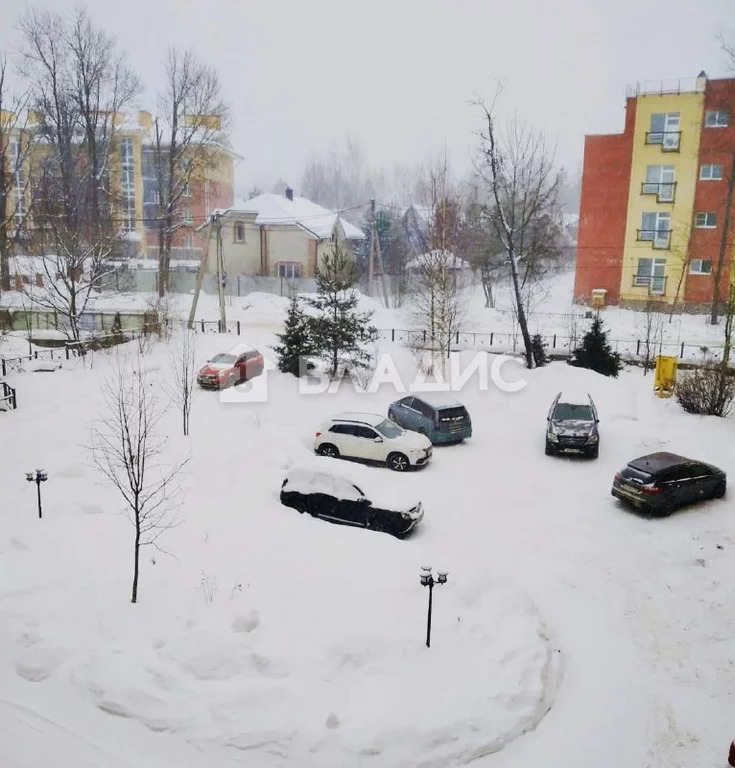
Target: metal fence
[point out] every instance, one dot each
(556, 343)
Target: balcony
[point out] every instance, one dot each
(665, 192)
(660, 239)
(668, 140)
(656, 284)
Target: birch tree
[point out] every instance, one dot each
(127, 447)
(16, 141)
(518, 168)
(78, 85)
(186, 139)
(183, 367)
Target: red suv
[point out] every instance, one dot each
(230, 368)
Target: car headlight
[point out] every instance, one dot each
(592, 439)
(551, 434)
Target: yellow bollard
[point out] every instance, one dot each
(665, 379)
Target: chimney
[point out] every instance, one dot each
(289, 193)
(701, 81)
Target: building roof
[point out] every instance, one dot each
(437, 258)
(273, 210)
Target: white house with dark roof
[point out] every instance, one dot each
(277, 236)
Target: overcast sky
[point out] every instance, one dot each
(398, 75)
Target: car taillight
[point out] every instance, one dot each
(618, 478)
(652, 489)
(318, 434)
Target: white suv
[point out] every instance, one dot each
(371, 437)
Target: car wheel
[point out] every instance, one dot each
(329, 450)
(398, 462)
(720, 490)
(664, 511)
(549, 449)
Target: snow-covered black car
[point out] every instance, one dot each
(349, 495)
(661, 482)
(571, 427)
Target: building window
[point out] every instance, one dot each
(187, 190)
(665, 131)
(289, 271)
(651, 274)
(708, 172)
(656, 229)
(188, 218)
(705, 220)
(127, 184)
(188, 241)
(660, 182)
(700, 267)
(717, 118)
(239, 232)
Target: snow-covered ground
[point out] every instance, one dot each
(267, 638)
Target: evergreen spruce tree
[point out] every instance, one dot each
(595, 352)
(539, 350)
(338, 329)
(117, 332)
(295, 341)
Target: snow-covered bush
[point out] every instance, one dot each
(709, 390)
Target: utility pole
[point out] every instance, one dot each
(376, 255)
(373, 238)
(200, 275)
(221, 274)
(382, 269)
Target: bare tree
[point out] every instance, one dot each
(437, 292)
(16, 142)
(340, 178)
(518, 168)
(187, 138)
(649, 324)
(127, 448)
(78, 86)
(183, 358)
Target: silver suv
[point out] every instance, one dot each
(572, 427)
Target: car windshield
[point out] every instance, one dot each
(389, 429)
(223, 359)
(569, 412)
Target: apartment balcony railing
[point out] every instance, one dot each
(668, 140)
(665, 192)
(660, 239)
(656, 284)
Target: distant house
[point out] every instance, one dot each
(277, 236)
(417, 224)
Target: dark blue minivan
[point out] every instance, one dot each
(440, 418)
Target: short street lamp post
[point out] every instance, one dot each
(428, 580)
(39, 477)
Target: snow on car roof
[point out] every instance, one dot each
(438, 399)
(310, 476)
(241, 349)
(655, 462)
(364, 418)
